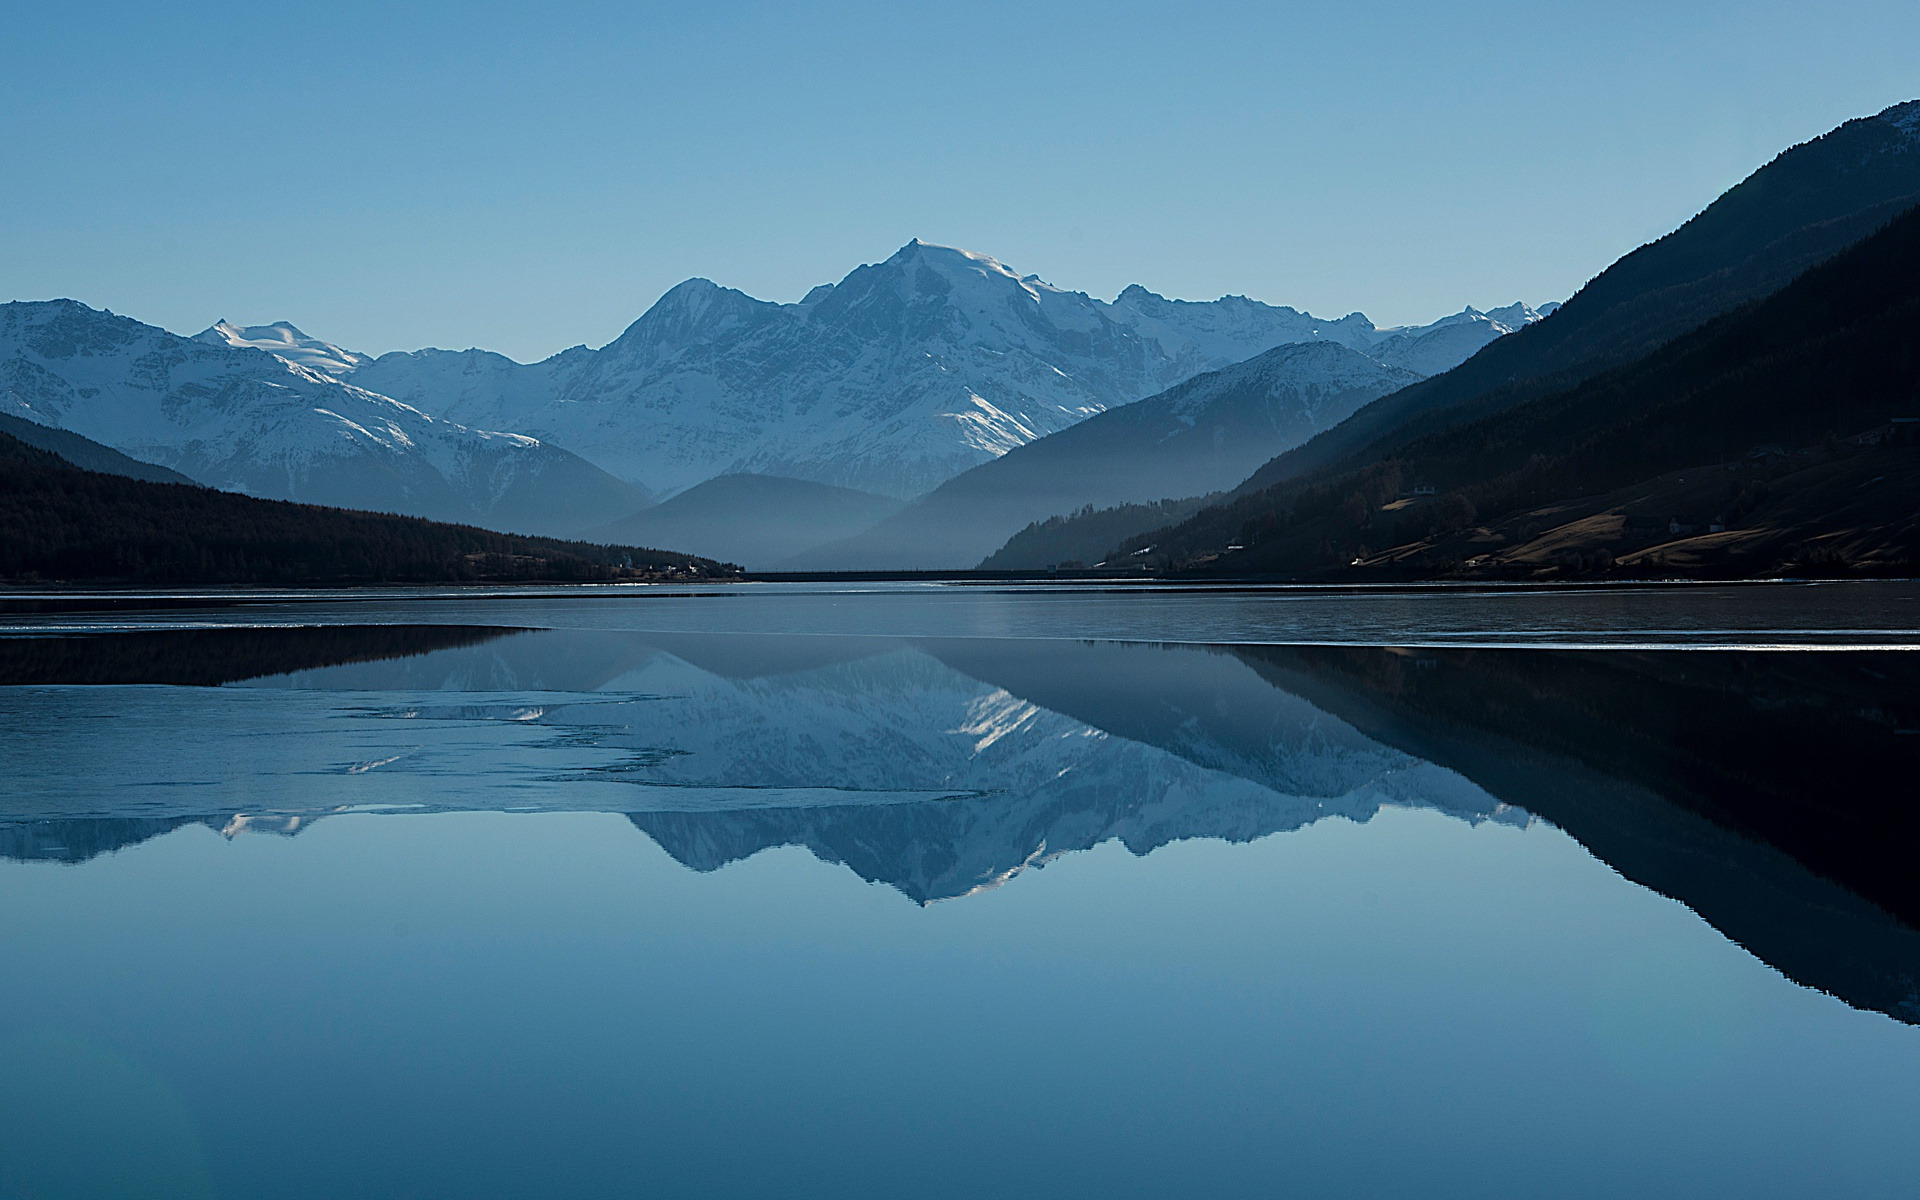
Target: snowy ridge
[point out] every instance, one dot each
(1204, 334)
(900, 376)
(235, 418)
(1310, 386)
(286, 343)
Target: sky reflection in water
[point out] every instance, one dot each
(962, 915)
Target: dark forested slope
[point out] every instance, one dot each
(59, 522)
(1808, 204)
(1785, 424)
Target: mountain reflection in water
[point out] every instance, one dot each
(1770, 792)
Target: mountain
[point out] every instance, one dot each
(1450, 341)
(1782, 437)
(61, 523)
(753, 520)
(286, 343)
(84, 453)
(1808, 204)
(1200, 436)
(238, 419)
(895, 379)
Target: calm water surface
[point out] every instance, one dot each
(936, 891)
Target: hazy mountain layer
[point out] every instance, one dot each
(753, 520)
(61, 523)
(1201, 436)
(85, 453)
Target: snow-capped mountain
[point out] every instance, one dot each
(1450, 341)
(900, 376)
(237, 418)
(285, 342)
(1201, 335)
(1201, 436)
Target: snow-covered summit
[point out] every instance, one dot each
(899, 376)
(282, 340)
(1452, 340)
(234, 418)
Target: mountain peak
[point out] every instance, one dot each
(284, 341)
(901, 375)
(934, 252)
(920, 265)
(690, 293)
(693, 310)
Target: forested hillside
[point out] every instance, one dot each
(1805, 206)
(1777, 437)
(61, 523)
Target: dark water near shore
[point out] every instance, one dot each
(934, 891)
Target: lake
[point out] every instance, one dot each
(937, 890)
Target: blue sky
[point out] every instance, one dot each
(528, 177)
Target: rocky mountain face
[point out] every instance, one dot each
(899, 377)
(1810, 204)
(236, 418)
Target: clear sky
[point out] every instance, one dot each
(526, 177)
